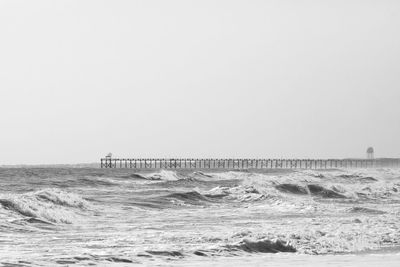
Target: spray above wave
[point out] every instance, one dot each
(52, 205)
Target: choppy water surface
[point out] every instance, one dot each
(104, 217)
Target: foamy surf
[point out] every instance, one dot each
(124, 217)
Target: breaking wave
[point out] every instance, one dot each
(262, 246)
(188, 196)
(289, 191)
(245, 246)
(162, 175)
(319, 190)
(329, 185)
(286, 193)
(292, 188)
(48, 205)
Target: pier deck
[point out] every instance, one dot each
(240, 164)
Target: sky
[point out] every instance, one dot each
(210, 78)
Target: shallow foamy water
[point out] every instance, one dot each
(103, 217)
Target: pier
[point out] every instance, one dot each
(243, 164)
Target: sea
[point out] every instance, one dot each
(125, 217)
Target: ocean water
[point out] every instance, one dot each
(104, 217)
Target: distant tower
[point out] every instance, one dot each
(370, 153)
(109, 156)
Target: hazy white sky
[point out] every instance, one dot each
(249, 78)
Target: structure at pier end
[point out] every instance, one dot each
(370, 153)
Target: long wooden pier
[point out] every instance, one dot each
(242, 164)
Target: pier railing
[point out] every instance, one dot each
(240, 164)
